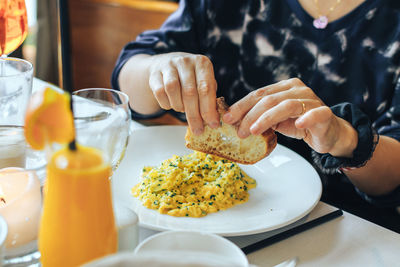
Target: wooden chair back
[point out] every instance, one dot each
(100, 28)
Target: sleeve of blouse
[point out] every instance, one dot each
(389, 125)
(180, 32)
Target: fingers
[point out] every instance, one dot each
(207, 88)
(322, 127)
(186, 83)
(156, 84)
(166, 88)
(274, 108)
(172, 84)
(238, 110)
(198, 91)
(190, 97)
(316, 116)
(285, 110)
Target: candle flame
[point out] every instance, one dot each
(2, 196)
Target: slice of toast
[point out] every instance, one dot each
(224, 141)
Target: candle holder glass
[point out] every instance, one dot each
(3, 235)
(22, 174)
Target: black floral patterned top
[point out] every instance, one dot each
(254, 43)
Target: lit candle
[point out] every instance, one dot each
(12, 147)
(21, 206)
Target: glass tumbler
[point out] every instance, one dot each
(103, 120)
(15, 89)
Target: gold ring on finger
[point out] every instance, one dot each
(303, 105)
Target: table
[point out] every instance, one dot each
(346, 241)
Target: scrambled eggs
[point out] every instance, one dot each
(193, 185)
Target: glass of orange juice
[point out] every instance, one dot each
(15, 27)
(77, 223)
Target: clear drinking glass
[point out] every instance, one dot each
(103, 120)
(15, 89)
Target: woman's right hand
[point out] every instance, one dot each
(185, 83)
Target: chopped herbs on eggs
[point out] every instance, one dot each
(193, 185)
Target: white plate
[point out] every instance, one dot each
(288, 187)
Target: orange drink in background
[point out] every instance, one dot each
(13, 18)
(77, 222)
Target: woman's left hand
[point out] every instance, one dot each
(293, 109)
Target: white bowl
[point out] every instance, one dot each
(187, 247)
(178, 249)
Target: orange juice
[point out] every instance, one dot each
(77, 222)
(14, 26)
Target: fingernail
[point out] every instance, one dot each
(227, 117)
(242, 134)
(198, 131)
(214, 125)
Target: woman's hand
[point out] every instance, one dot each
(293, 109)
(186, 83)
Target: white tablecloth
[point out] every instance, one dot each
(345, 241)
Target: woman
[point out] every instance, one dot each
(324, 74)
